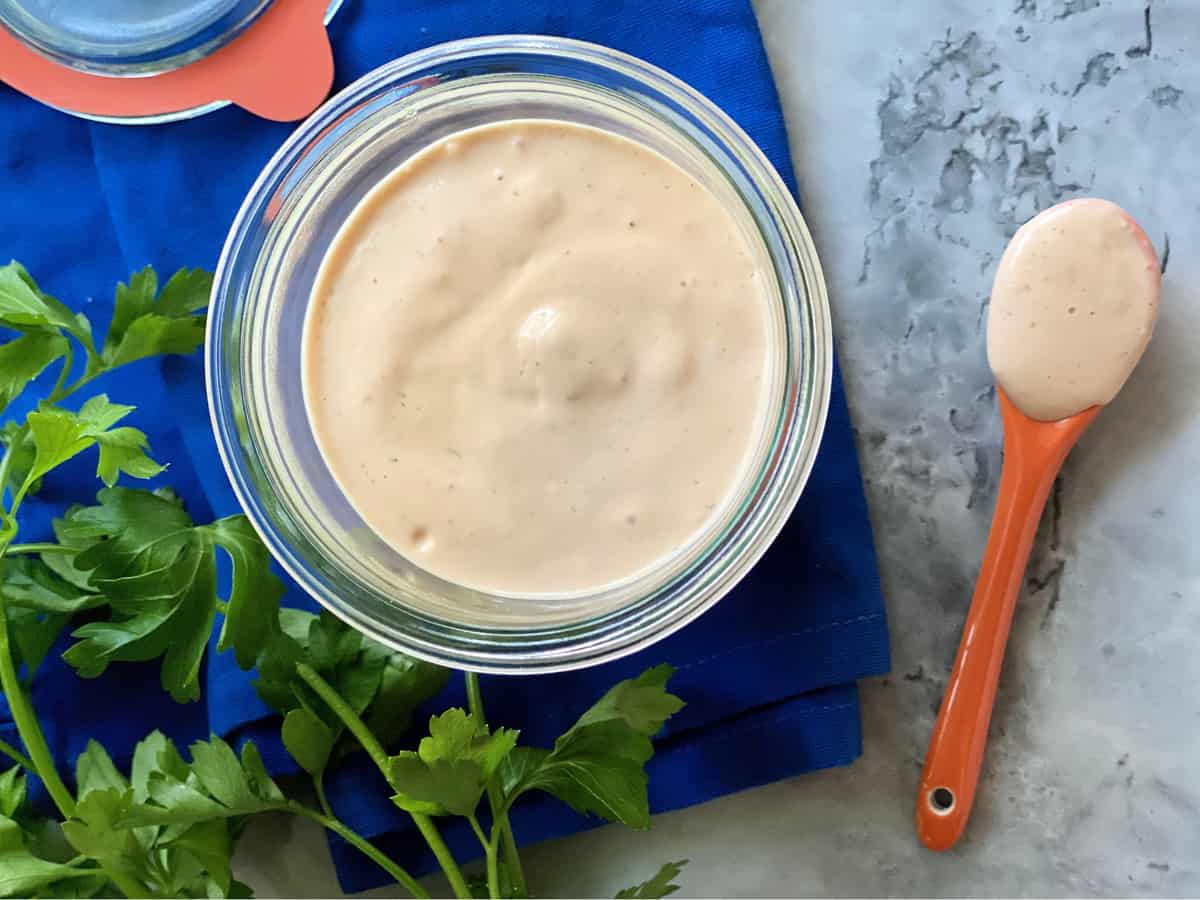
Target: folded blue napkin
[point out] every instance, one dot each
(768, 674)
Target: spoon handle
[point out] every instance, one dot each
(1034, 452)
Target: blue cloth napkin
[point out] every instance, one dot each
(768, 674)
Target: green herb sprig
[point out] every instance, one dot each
(134, 577)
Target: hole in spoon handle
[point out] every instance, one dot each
(1034, 452)
(941, 801)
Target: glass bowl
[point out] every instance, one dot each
(262, 292)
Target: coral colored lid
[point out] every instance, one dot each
(280, 67)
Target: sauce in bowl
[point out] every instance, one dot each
(536, 355)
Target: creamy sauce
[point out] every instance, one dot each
(535, 357)
(1072, 309)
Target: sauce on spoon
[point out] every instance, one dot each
(1073, 307)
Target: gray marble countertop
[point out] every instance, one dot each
(923, 134)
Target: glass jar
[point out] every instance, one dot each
(261, 296)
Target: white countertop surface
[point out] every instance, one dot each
(923, 133)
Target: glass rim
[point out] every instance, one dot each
(628, 628)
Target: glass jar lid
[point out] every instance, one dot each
(128, 37)
(149, 61)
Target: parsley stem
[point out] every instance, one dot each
(27, 724)
(500, 822)
(18, 499)
(125, 883)
(17, 756)
(79, 382)
(491, 855)
(349, 717)
(6, 465)
(68, 364)
(478, 829)
(41, 548)
(474, 696)
(338, 827)
(318, 781)
(508, 843)
(433, 838)
(370, 743)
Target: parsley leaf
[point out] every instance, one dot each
(119, 823)
(24, 359)
(33, 633)
(164, 613)
(96, 830)
(455, 735)
(254, 597)
(381, 685)
(40, 605)
(451, 768)
(184, 851)
(241, 786)
(405, 684)
(143, 326)
(154, 753)
(217, 784)
(18, 443)
(332, 648)
(32, 584)
(598, 765)
(661, 885)
(145, 323)
(12, 792)
(208, 846)
(95, 771)
(62, 562)
(59, 435)
(641, 703)
(442, 789)
(24, 306)
(132, 301)
(21, 873)
(156, 571)
(307, 739)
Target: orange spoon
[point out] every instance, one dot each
(1034, 451)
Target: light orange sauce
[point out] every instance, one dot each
(1072, 309)
(535, 357)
